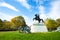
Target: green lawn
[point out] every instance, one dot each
(15, 35)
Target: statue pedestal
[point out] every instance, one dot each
(38, 27)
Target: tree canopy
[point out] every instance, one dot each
(58, 21)
(18, 21)
(1, 23)
(13, 24)
(51, 24)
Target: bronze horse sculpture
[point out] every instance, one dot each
(37, 18)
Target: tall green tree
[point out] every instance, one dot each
(58, 21)
(18, 21)
(51, 24)
(6, 25)
(1, 24)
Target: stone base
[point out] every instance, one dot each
(38, 28)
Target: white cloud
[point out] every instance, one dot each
(55, 10)
(4, 4)
(42, 12)
(41, 8)
(24, 3)
(5, 16)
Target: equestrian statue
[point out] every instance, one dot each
(37, 18)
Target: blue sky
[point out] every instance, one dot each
(28, 8)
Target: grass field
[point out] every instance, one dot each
(15, 35)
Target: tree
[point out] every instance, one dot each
(1, 24)
(51, 24)
(58, 21)
(18, 21)
(6, 25)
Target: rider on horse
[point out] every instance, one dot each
(38, 18)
